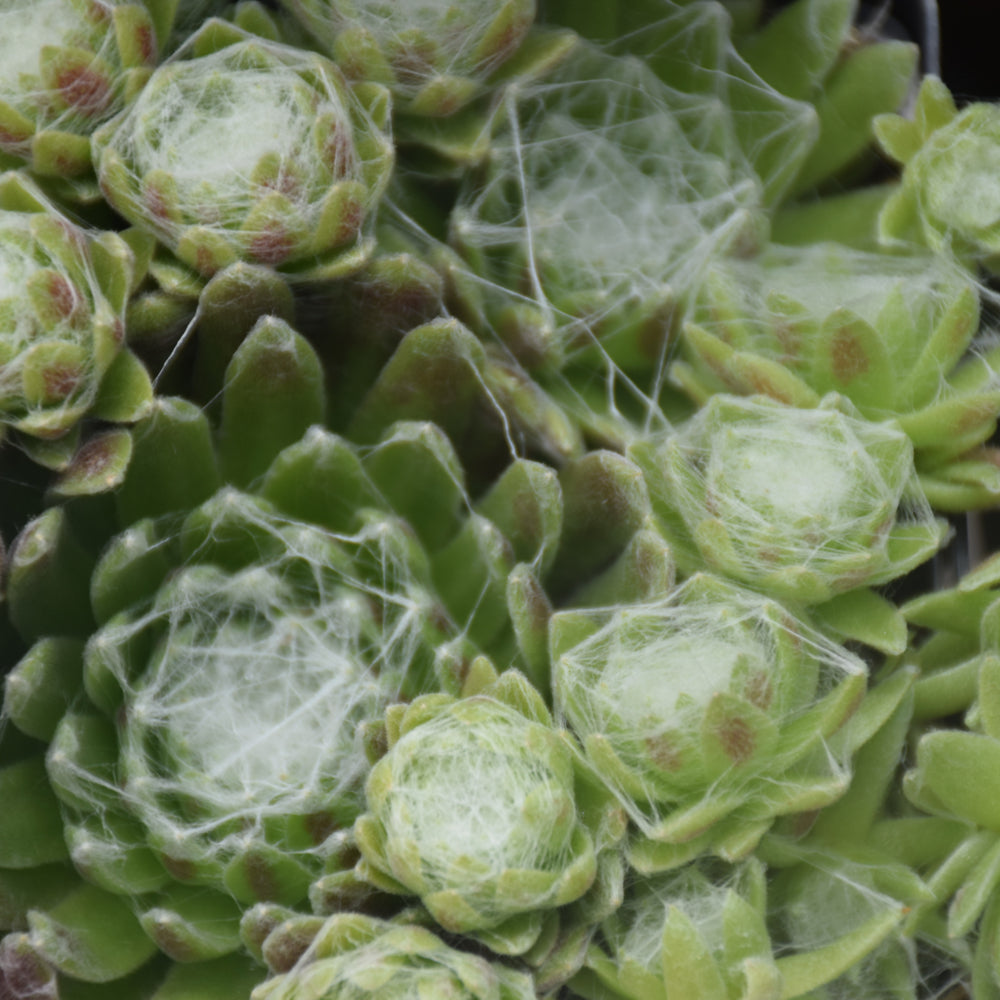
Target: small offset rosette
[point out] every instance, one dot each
(63, 292)
(66, 66)
(483, 810)
(698, 932)
(708, 713)
(837, 926)
(948, 198)
(435, 56)
(353, 957)
(823, 929)
(240, 149)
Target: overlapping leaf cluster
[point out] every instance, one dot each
(468, 473)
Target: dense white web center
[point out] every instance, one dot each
(28, 25)
(796, 476)
(663, 680)
(214, 126)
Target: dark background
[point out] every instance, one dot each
(970, 48)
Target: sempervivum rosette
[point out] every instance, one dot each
(700, 931)
(352, 957)
(719, 932)
(435, 56)
(484, 810)
(66, 66)
(842, 75)
(708, 712)
(814, 506)
(947, 199)
(243, 149)
(220, 760)
(63, 292)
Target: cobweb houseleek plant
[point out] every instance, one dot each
(715, 932)
(243, 149)
(700, 929)
(598, 209)
(484, 810)
(63, 357)
(946, 198)
(708, 713)
(837, 927)
(698, 49)
(257, 615)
